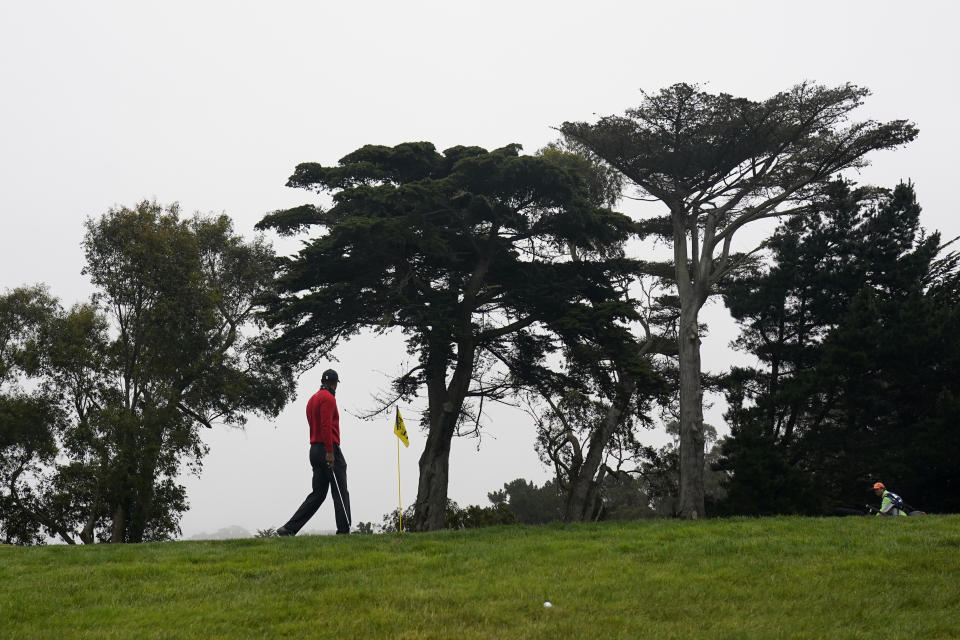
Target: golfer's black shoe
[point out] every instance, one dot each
(283, 531)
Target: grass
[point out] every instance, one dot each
(737, 578)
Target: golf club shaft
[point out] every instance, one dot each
(343, 505)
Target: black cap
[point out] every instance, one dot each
(329, 376)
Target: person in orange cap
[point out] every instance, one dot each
(890, 503)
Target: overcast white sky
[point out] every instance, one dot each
(212, 104)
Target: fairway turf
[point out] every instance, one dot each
(731, 578)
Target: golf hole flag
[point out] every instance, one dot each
(400, 429)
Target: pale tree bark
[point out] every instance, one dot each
(691, 289)
(691, 418)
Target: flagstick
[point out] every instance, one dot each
(399, 499)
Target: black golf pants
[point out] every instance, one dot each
(322, 475)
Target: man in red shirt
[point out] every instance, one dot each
(326, 459)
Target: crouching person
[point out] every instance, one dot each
(890, 504)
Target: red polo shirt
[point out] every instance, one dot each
(324, 419)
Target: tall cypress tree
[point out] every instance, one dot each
(718, 163)
(465, 251)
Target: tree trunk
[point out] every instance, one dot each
(122, 473)
(141, 508)
(431, 505)
(119, 524)
(581, 500)
(445, 404)
(87, 534)
(691, 415)
(143, 479)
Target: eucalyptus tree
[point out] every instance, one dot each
(719, 163)
(464, 251)
(183, 351)
(168, 344)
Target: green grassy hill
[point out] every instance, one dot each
(757, 578)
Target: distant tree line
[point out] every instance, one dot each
(513, 279)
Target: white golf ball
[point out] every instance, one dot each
(547, 604)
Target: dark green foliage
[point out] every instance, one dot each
(764, 481)
(592, 429)
(411, 230)
(589, 402)
(23, 314)
(364, 528)
(27, 424)
(625, 498)
(29, 416)
(529, 503)
(455, 517)
(893, 362)
(390, 522)
(477, 517)
(648, 490)
(855, 325)
(685, 141)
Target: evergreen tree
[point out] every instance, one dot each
(854, 324)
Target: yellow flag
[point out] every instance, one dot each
(400, 429)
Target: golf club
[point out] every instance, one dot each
(343, 505)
